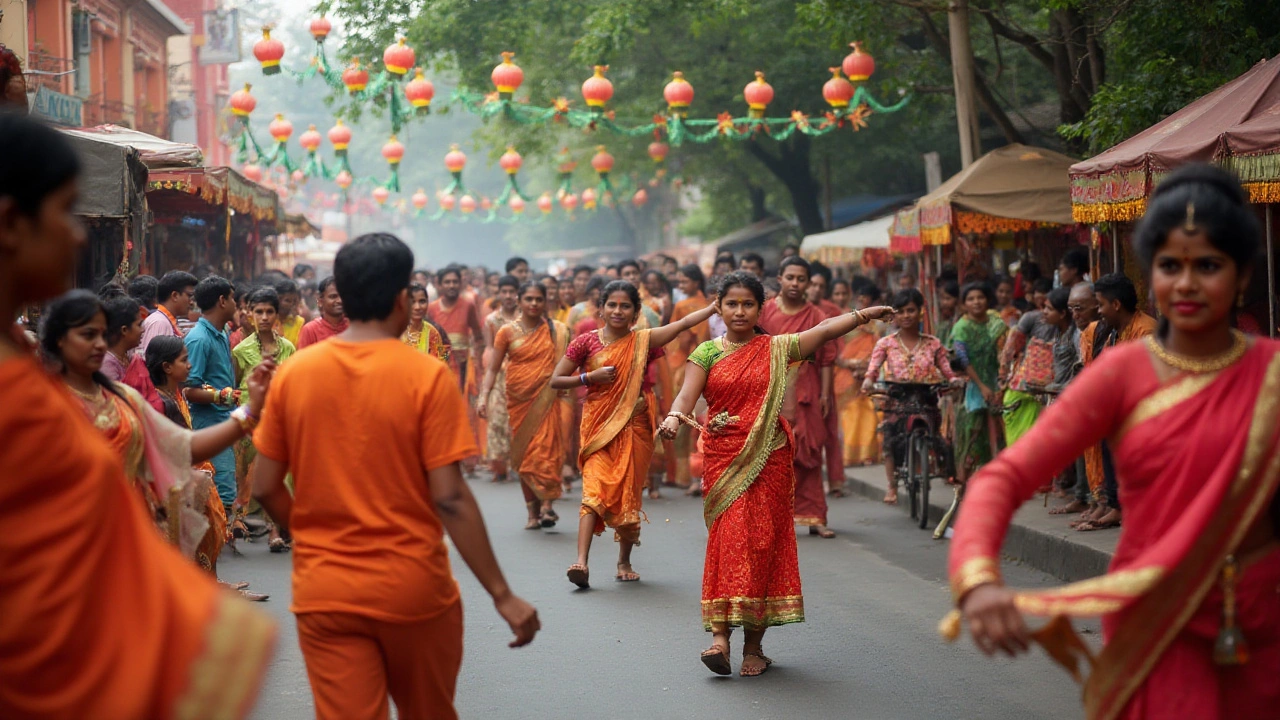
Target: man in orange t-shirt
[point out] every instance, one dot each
(377, 483)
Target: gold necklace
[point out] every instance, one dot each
(1213, 364)
(607, 343)
(94, 397)
(730, 346)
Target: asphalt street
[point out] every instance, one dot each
(869, 648)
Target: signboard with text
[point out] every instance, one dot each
(58, 108)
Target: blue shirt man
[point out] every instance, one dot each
(209, 352)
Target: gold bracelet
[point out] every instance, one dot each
(246, 419)
(857, 315)
(972, 573)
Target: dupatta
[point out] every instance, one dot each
(530, 397)
(608, 408)
(769, 354)
(1211, 501)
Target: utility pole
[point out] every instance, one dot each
(962, 74)
(826, 184)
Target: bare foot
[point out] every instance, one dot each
(1074, 506)
(626, 573)
(891, 497)
(822, 531)
(654, 494)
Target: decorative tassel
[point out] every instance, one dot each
(1230, 648)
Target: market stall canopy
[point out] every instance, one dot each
(869, 234)
(1237, 126)
(156, 153)
(112, 181)
(216, 187)
(1014, 188)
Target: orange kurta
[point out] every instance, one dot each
(537, 450)
(99, 617)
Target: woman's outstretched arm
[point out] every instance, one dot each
(659, 337)
(839, 326)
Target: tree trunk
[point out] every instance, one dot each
(756, 194)
(793, 168)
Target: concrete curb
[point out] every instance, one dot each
(1035, 538)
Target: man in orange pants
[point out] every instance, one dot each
(377, 484)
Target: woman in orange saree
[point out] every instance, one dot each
(1191, 616)
(751, 576)
(530, 347)
(618, 420)
(693, 285)
(859, 421)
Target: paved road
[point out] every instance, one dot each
(869, 650)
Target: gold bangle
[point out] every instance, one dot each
(246, 420)
(972, 573)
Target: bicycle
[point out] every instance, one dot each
(919, 442)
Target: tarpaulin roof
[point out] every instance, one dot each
(1237, 125)
(113, 179)
(218, 186)
(869, 234)
(157, 153)
(1015, 187)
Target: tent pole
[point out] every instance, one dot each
(1271, 278)
(1115, 249)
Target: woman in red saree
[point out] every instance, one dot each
(751, 577)
(530, 347)
(1191, 616)
(618, 420)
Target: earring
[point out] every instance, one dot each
(1240, 299)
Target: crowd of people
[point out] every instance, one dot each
(163, 412)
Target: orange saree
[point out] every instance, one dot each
(1198, 466)
(537, 452)
(617, 436)
(751, 575)
(859, 421)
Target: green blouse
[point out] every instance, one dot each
(711, 352)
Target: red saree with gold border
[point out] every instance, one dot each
(537, 452)
(751, 575)
(1198, 466)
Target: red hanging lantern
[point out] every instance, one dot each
(566, 163)
(252, 172)
(343, 179)
(467, 204)
(242, 103)
(511, 161)
(447, 202)
(355, 77)
(589, 199)
(340, 136)
(516, 203)
(602, 161)
(838, 91)
(507, 76)
(640, 198)
(298, 177)
(455, 161)
(758, 95)
(280, 129)
(569, 202)
(380, 194)
(419, 199)
(545, 204)
(320, 28)
(268, 51)
(310, 139)
(393, 151)
(858, 65)
(398, 57)
(658, 151)
(679, 94)
(597, 89)
(486, 203)
(419, 92)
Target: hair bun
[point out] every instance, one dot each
(1209, 176)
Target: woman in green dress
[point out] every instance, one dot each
(977, 339)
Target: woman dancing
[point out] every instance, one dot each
(1191, 616)
(531, 346)
(617, 420)
(751, 578)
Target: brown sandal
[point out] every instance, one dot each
(579, 575)
(629, 575)
(756, 654)
(717, 661)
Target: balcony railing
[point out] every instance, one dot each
(44, 69)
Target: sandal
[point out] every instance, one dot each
(822, 531)
(579, 575)
(278, 545)
(717, 661)
(628, 575)
(547, 520)
(755, 654)
(838, 492)
(533, 524)
(891, 498)
(253, 597)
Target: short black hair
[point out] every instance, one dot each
(451, 269)
(628, 263)
(791, 246)
(264, 295)
(1060, 298)
(1002, 280)
(285, 286)
(212, 289)
(578, 270)
(950, 287)
(1116, 286)
(174, 281)
(324, 285)
(35, 161)
(514, 263)
(750, 257)
(1077, 259)
(903, 298)
(795, 261)
(1208, 198)
(867, 289)
(1042, 285)
(371, 272)
(664, 259)
(657, 275)
(144, 289)
(597, 282)
(301, 269)
(979, 285)
(694, 273)
(817, 268)
(510, 281)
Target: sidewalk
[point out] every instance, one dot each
(1036, 538)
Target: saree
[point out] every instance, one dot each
(859, 421)
(497, 426)
(751, 575)
(617, 437)
(427, 339)
(537, 449)
(1199, 467)
(981, 344)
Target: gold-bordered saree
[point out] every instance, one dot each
(1198, 461)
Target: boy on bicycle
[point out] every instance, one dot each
(908, 356)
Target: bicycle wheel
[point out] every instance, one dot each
(912, 472)
(920, 480)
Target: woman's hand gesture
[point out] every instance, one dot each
(670, 425)
(602, 376)
(994, 620)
